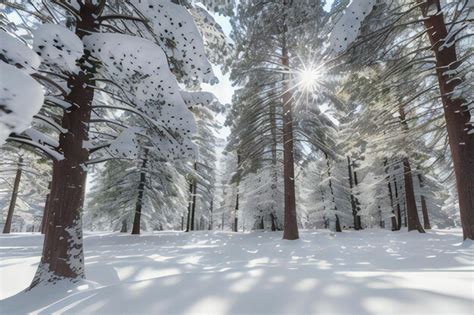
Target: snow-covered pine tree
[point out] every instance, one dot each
(114, 197)
(264, 70)
(25, 177)
(117, 65)
(387, 28)
(204, 106)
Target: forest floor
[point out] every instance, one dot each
(366, 272)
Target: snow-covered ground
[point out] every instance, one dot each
(367, 272)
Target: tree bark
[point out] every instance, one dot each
(274, 223)
(411, 214)
(390, 195)
(11, 208)
(398, 212)
(44, 221)
(356, 183)
(211, 210)
(273, 122)
(457, 118)
(424, 207)
(188, 219)
(124, 228)
(193, 207)
(141, 191)
(426, 218)
(353, 199)
(338, 224)
(290, 228)
(412, 211)
(62, 256)
(235, 225)
(394, 219)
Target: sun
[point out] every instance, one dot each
(309, 78)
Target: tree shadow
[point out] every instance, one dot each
(369, 272)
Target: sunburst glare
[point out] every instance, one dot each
(309, 78)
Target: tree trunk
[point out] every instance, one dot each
(11, 208)
(190, 204)
(141, 191)
(457, 118)
(274, 146)
(338, 225)
(235, 225)
(211, 210)
(44, 221)
(193, 206)
(353, 199)
(412, 212)
(399, 217)
(274, 223)
(394, 219)
(426, 218)
(381, 220)
(424, 207)
(290, 228)
(63, 256)
(390, 195)
(124, 228)
(356, 183)
(236, 211)
(398, 212)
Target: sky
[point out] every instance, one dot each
(224, 89)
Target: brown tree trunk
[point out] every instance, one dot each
(390, 195)
(353, 199)
(62, 256)
(394, 219)
(290, 228)
(193, 206)
(235, 224)
(338, 224)
(399, 217)
(356, 183)
(11, 208)
(273, 122)
(124, 228)
(411, 219)
(44, 220)
(190, 204)
(424, 207)
(412, 211)
(398, 211)
(274, 222)
(211, 210)
(457, 118)
(141, 191)
(426, 218)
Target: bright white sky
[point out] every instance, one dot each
(224, 89)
